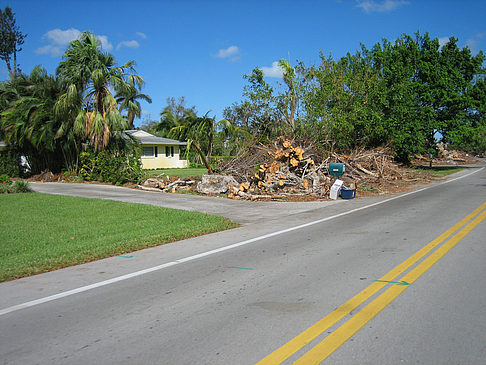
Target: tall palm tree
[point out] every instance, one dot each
(88, 106)
(129, 100)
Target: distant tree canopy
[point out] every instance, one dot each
(403, 95)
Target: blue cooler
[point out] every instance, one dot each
(348, 193)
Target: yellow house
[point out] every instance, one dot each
(157, 152)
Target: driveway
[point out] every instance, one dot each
(243, 212)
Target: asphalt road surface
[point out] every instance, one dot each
(395, 280)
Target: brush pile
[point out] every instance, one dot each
(290, 170)
(167, 184)
(286, 169)
(280, 169)
(371, 165)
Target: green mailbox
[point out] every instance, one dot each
(336, 169)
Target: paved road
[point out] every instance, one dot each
(207, 302)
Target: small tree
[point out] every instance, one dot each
(11, 38)
(128, 99)
(198, 132)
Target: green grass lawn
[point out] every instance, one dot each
(440, 170)
(40, 232)
(189, 172)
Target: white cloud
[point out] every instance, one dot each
(370, 6)
(141, 35)
(105, 44)
(443, 41)
(129, 44)
(62, 37)
(232, 53)
(473, 43)
(59, 39)
(274, 71)
(50, 49)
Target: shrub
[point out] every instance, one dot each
(5, 179)
(20, 186)
(109, 166)
(10, 163)
(4, 188)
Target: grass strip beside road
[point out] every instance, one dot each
(439, 170)
(40, 232)
(187, 172)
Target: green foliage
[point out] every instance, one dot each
(20, 186)
(111, 166)
(216, 160)
(5, 179)
(28, 121)
(128, 99)
(342, 102)
(10, 163)
(399, 94)
(439, 170)
(9, 187)
(88, 108)
(49, 118)
(178, 172)
(469, 139)
(199, 133)
(173, 115)
(11, 38)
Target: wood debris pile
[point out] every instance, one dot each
(167, 185)
(286, 169)
(370, 165)
(445, 157)
(280, 169)
(47, 176)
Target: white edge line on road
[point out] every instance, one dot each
(211, 252)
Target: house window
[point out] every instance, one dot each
(169, 151)
(147, 152)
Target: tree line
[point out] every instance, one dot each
(406, 95)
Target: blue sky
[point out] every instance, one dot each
(202, 49)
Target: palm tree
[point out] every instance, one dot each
(128, 100)
(88, 106)
(198, 132)
(168, 120)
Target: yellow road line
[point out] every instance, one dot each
(335, 316)
(332, 342)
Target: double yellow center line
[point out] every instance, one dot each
(332, 342)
